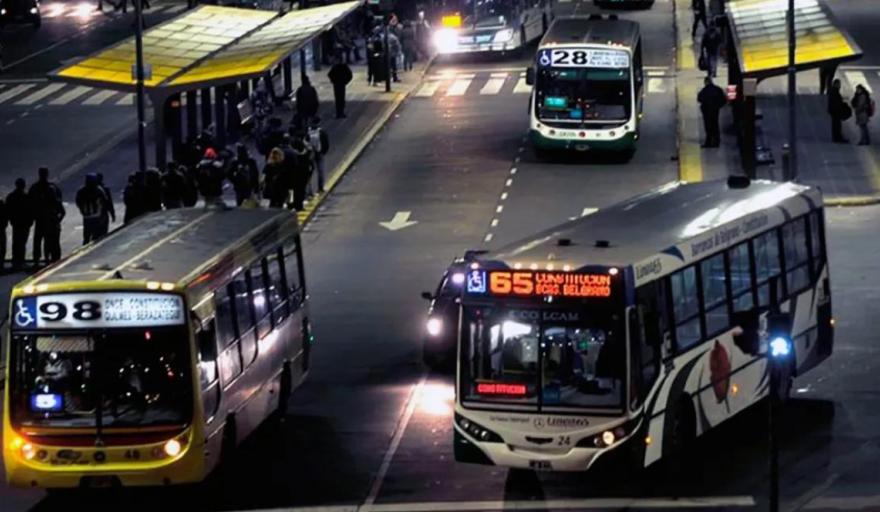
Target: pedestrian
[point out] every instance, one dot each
(423, 36)
(826, 75)
(839, 112)
(244, 175)
(863, 108)
(20, 213)
(4, 221)
(271, 137)
(92, 204)
(711, 99)
(152, 190)
(306, 99)
(395, 50)
(709, 50)
(340, 76)
(45, 199)
(320, 143)
(699, 8)
(210, 177)
(301, 176)
(408, 42)
(110, 208)
(370, 49)
(173, 187)
(275, 179)
(133, 198)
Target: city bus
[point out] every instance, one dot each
(469, 26)
(587, 86)
(145, 358)
(622, 336)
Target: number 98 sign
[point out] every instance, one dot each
(83, 311)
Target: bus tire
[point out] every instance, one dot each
(680, 439)
(541, 153)
(225, 468)
(284, 391)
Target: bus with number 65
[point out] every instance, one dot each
(143, 359)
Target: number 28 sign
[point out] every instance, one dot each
(583, 58)
(97, 310)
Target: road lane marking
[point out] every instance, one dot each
(15, 91)
(857, 77)
(522, 87)
(176, 9)
(656, 85)
(459, 87)
(428, 88)
(127, 99)
(71, 95)
(487, 238)
(411, 404)
(99, 98)
(493, 85)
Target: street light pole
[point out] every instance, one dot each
(792, 90)
(387, 54)
(139, 76)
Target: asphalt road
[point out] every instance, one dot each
(372, 426)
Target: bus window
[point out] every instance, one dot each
(740, 277)
(291, 273)
(816, 241)
(244, 319)
(767, 263)
(714, 294)
(225, 319)
(651, 298)
(278, 291)
(208, 369)
(686, 307)
(260, 299)
(583, 366)
(794, 242)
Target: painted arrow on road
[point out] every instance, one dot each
(399, 221)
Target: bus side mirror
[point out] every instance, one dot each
(530, 76)
(427, 296)
(748, 339)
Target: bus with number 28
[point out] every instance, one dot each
(587, 86)
(623, 333)
(143, 359)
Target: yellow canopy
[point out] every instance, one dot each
(761, 36)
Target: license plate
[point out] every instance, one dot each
(484, 39)
(582, 147)
(99, 481)
(465, 40)
(540, 465)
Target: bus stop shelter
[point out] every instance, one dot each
(207, 48)
(757, 48)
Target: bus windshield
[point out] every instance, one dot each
(582, 95)
(542, 358)
(110, 378)
(488, 13)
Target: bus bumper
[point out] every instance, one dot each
(502, 454)
(627, 142)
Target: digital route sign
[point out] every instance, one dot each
(526, 283)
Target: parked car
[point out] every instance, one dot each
(20, 11)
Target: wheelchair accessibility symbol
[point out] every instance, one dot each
(26, 312)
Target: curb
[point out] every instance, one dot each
(690, 165)
(354, 153)
(852, 201)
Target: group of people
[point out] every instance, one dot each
(861, 106)
(40, 207)
(407, 43)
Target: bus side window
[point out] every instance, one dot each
(817, 251)
(207, 345)
(222, 329)
(714, 294)
(637, 68)
(740, 277)
(292, 274)
(767, 263)
(794, 243)
(278, 291)
(651, 299)
(260, 298)
(246, 328)
(686, 308)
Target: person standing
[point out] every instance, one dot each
(699, 8)
(18, 208)
(244, 175)
(839, 112)
(320, 143)
(863, 108)
(395, 50)
(45, 199)
(210, 177)
(301, 174)
(711, 99)
(408, 42)
(306, 100)
(92, 204)
(340, 76)
(133, 197)
(110, 208)
(173, 187)
(709, 49)
(274, 179)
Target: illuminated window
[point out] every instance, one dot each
(740, 277)
(714, 294)
(794, 243)
(686, 307)
(260, 299)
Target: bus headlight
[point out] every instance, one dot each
(503, 35)
(172, 448)
(477, 431)
(446, 40)
(28, 451)
(434, 326)
(608, 438)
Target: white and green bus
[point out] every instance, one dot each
(587, 86)
(638, 328)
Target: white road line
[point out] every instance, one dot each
(522, 87)
(513, 170)
(494, 223)
(99, 98)
(126, 99)
(395, 440)
(176, 8)
(857, 77)
(509, 182)
(656, 86)
(428, 88)
(459, 87)
(487, 238)
(40, 94)
(588, 211)
(493, 86)
(656, 72)
(504, 196)
(15, 91)
(71, 95)
(499, 208)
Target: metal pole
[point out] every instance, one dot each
(792, 90)
(771, 414)
(387, 57)
(139, 50)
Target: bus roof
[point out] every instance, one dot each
(592, 30)
(170, 246)
(656, 222)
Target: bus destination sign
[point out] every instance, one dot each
(97, 310)
(583, 58)
(525, 283)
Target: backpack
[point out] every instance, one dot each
(315, 139)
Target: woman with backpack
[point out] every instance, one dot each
(863, 108)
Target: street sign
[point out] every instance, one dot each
(148, 72)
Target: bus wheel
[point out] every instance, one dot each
(284, 389)
(680, 438)
(541, 153)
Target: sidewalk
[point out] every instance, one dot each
(368, 109)
(847, 174)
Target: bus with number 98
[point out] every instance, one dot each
(143, 359)
(587, 86)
